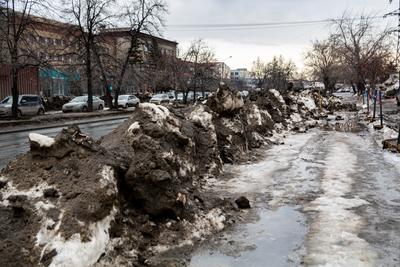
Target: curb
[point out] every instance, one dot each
(66, 123)
(50, 118)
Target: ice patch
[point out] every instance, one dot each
(42, 140)
(333, 238)
(257, 177)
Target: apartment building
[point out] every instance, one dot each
(55, 47)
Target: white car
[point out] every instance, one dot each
(27, 105)
(125, 101)
(160, 99)
(80, 104)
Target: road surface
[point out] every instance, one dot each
(14, 144)
(322, 199)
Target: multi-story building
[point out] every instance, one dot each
(223, 70)
(243, 79)
(239, 74)
(117, 42)
(54, 46)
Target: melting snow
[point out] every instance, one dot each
(134, 127)
(108, 179)
(277, 95)
(333, 238)
(74, 252)
(42, 140)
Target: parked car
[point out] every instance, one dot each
(160, 99)
(80, 103)
(27, 105)
(125, 101)
(344, 92)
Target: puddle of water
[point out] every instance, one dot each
(274, 240)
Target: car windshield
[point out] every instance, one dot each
(123, 97)
(79, 99)
(7, 100)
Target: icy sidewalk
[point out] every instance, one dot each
(343, 183)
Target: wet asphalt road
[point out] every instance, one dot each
(14, 144)
(323, 198)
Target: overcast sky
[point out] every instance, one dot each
(245, 45)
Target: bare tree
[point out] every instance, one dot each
(276, 73)
(15, 24)
(259, 72)
(90, 16)
(201, 67)
(324, 62)
(360, 43)
(143, 16)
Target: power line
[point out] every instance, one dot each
(243, 28)
(261, 25)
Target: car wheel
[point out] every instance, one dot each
(101, 107)
(84, 109)
(40, 112)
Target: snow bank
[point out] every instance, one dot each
(307, 100)
(160, 115)
(41, 140)
(202, 117)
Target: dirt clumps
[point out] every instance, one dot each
(391, 145)
(243, 203)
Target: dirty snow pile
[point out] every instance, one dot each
(73, 201)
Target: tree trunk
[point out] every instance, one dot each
(14, 91)
(89, 78)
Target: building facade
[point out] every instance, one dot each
(55, 48)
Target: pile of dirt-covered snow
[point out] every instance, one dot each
(73, 201)
(57, 202)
